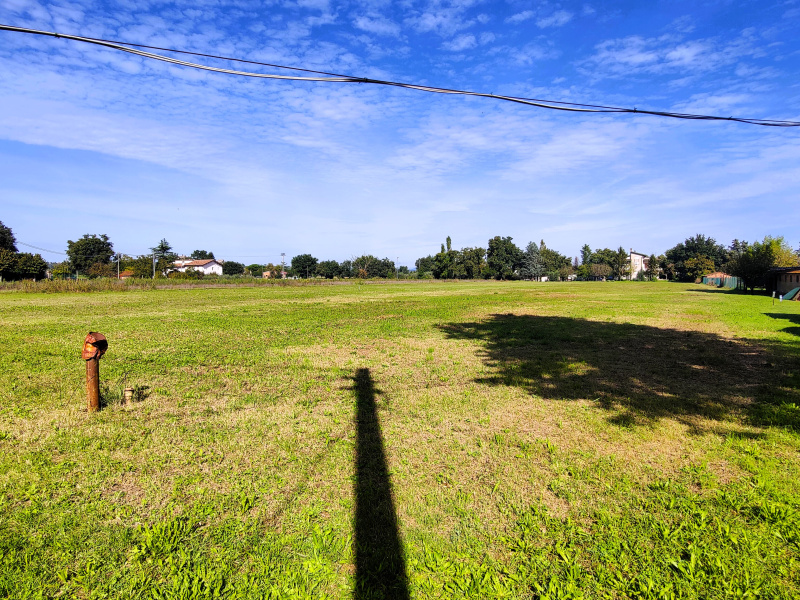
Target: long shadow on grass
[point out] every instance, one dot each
(639, 373)
(379, 555)
(792, 318)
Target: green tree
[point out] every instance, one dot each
(599, 271)
(698, 266)
(7, 239)
(142, 266)
(444, 262)
(620, 263)
(254, 270)
(346, 268)
(532, 265)
(586, 254)
(651, 271)
(552, 261)
(503, 258)
(304, 265)
(100, 269)
(328, 269)
(693, 247)
(8, 264)
(30, 266)
(88, 250)
(751, 262)
(201, 254)
(231, 267)
(471, 262)
(424, 265)
(164, 257)
(61, 270)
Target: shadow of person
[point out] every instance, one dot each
(639, 372)
(379, 555)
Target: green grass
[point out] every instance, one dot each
(432, 440)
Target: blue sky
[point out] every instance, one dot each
(96, 141)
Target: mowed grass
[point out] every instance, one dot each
(431, 440)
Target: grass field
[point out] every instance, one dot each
(431, 440)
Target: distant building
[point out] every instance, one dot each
(783, 280)
(126, 274)
(637, 262)
(208, 266)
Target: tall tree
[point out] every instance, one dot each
(328, 269)
(304, 265)
(503, 258)
(751, 262)
(586, 254)
(88, 250)
(8, 264)
(7, 239)
(694, 247)
(424, 265)
(532, 263)
(620, 263)
(30, 266)
(471, 262)
(201, 254)
(651, 270)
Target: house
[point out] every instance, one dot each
(207, 266)
(126, 274)
(637, 262)
(783, 280)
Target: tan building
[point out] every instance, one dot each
(637, 262)
(784, 280)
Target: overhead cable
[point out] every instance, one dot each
(324, 76)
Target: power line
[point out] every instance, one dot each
(324, 76)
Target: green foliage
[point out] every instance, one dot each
(328, 269)
(693, 247)
(7, 239)
(8, 264)
(100, 269)
(61, 270)
(368, 266)
(503, 258)
(201, 255)
(533, 266)
(751, 262)
(424, 265)
(303, 265)
(164, 257)
(88, 250)
(142, 267)
(698, 266)
(652, 268)
(231, 267)
(255, 270)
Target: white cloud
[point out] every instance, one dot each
(377, 25)
(668, 53)
(460, 43)
(557, 19)
(520, 17)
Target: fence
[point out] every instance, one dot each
(724, 281)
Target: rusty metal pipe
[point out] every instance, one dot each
(94, 346)
(93, 384)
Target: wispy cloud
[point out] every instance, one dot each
(557, 19)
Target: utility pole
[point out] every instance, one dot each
(283, 264)
(397, 267)
(154, 265)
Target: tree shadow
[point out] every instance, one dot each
(379, 554)
(793, 319)
(638, 372)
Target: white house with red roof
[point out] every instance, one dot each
(206, 266)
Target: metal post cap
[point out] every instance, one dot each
(94, 346)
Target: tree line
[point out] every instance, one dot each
(15, 264)
(94, 256)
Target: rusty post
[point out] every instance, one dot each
(94, 346)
